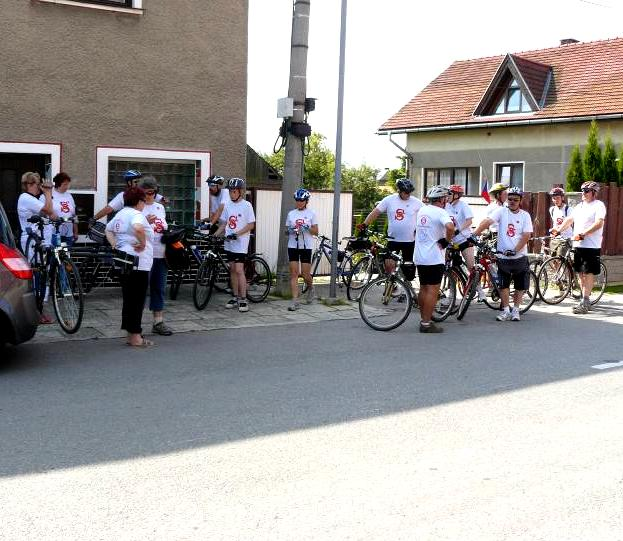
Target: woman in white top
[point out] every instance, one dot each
(301, 226)
(28, 205)
(130, 232)
(156, 216)
(64, 207)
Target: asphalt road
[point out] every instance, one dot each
(321, 431)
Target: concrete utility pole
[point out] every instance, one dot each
(296, 131)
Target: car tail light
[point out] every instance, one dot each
(15, 262)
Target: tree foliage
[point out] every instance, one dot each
(592, 155)
(609, 163)
(575, 171)
(362, 182)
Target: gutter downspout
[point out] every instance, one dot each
(407, 154)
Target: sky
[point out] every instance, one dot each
(394, 48)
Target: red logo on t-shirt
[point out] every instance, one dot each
(454, 221)
(423, 220)
(559, 221)
(399, 215)
(158, 226)
(64, 206)
(232, 222)
(510, 230)
(299, 222)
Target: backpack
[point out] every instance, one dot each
(551, 212)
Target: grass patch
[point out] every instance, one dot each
(614, 289)
(335, 302)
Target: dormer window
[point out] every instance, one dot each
(513, 101)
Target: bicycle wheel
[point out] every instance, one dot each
(67, 296)
(258, 277)
(446, 298)
(385, 303)
(459, 291)
(36, 260)
(493, 301)
(359, 277)
(315, 262)
(203, 285)
(599, 285)
(554, 280)
(470, 292)
(176, 281)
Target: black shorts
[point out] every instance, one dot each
(430, 275)
(299, 254)
(465, 245)
(587, 260)
(235, 257)
(405, 249)
(516, 271)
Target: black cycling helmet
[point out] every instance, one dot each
(404, 185)
(215, 180)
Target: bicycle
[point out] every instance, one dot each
(345, 257)
(53, 268)
(484, 272)
(371, 263)
(213, 264)
(386, 302)
(557, 279)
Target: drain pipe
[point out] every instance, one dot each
(407, 154)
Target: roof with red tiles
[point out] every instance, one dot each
(587, 80)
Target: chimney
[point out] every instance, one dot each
(568, 41)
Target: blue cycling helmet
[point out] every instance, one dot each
(215, 180)
(236, 183)
(131, 175)
(302, 195)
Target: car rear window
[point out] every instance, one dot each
(6, 237)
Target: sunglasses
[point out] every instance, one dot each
(587, 190)
(513, 200)
(299, 200)
(150, 192)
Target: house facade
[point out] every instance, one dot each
(513, 118)
(96, 87)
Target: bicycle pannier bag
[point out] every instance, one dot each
(97, 233)
(176, 256)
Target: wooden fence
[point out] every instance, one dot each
(538, 203)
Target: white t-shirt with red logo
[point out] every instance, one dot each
(64, 207)
(431, 226)
(29, 205)
(401, 216)
(237, 215)
(511, 226)
(122, 225)
(158, 226)
(298, 218)
(584, 216)
(460, 212)
(558, 215)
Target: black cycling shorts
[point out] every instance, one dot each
(235, 257)
(299, 254)
(430, 275)
(587, 260)
(516, 271)
(405, 249)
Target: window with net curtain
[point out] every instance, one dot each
(510, 174)
(468, 177)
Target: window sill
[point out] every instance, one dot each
(101, 7)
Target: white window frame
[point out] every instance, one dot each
(53, 149)
(136, 9)
(105, 154)
(509, 162)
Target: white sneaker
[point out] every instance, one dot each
(294, 306)
(232, 303)
(481, 295)
(515, 316)
(504, 316)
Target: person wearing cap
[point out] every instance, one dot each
(132, 178)
(434, 232)
(401, 209)
(588, 218)
(218, 198)
(558, 212)
(514, 231)
(499, 193)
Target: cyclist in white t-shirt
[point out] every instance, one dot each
(558, 212)
(514, 232)
(156, 217)
(301, 227)
(218, 197)
(435, 230)
(130, 232)
(132, 178)
(588, 218)
(64, 207)
(239, 222)
(401, 209)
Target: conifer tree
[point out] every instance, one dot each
(592, 155)
(609, 163)
(575, 171)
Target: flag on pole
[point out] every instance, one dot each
(485, 192)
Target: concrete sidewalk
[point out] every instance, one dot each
(102, 315)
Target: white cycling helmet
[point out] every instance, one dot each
(437, 192)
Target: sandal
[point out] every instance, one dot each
(144, 344)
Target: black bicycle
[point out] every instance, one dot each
(213, 266)
(56, 273)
